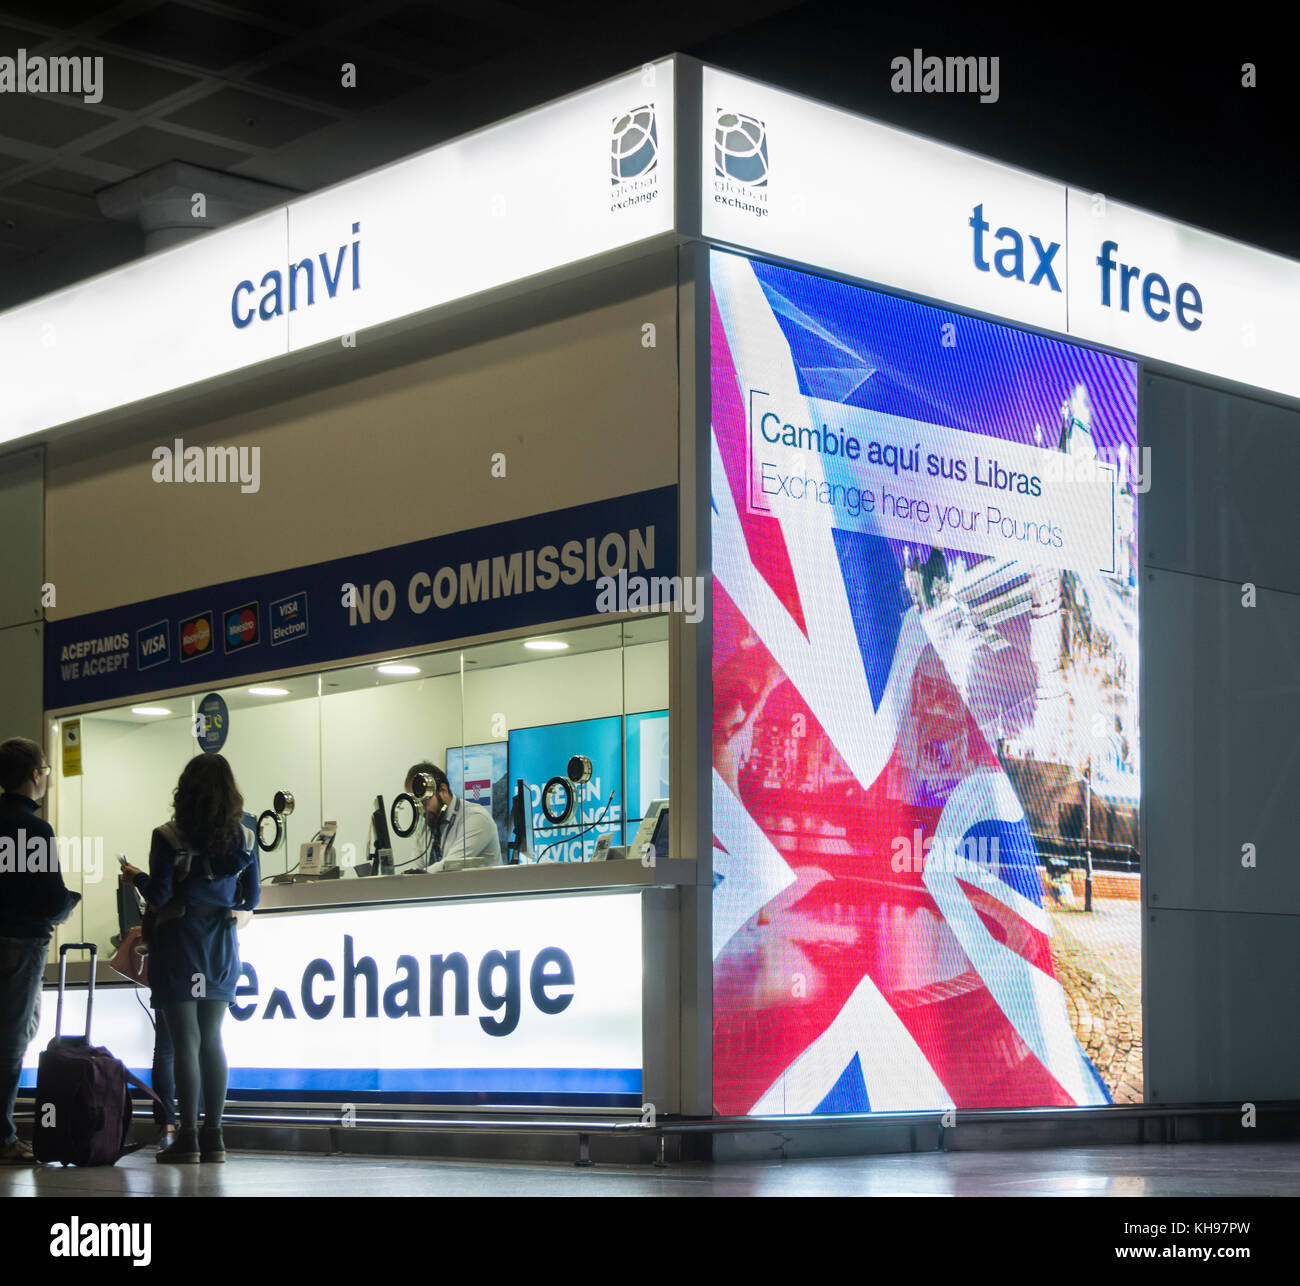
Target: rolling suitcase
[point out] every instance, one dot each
(83, 1100)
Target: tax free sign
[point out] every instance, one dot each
(803, 181)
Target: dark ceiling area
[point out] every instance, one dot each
(254, 88)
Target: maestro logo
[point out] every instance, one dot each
(634, 158)
(196, 636)
(239, 627)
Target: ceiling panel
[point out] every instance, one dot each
(49, 122)
(254, 120)
(130, 85)
(316, 73)
(192, 36)
(145, 147)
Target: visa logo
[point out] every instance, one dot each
(301, 285)
(152, 646)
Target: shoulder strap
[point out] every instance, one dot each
(133, 1079)
(185, 855)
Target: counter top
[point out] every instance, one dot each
(484, 882)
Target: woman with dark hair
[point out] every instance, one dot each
(202, 869)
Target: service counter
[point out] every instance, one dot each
(549, 986)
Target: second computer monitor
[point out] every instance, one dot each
(521, 825)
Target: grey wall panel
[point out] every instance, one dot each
(1223, 484)
(1223, 991)
(20, 682)
(1220, 691)
(22, 535)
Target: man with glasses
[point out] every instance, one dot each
(456, 833)
(33, 899)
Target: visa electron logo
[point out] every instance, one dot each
(740, 164)
(302, 285)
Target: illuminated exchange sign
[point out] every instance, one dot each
(518, 1000)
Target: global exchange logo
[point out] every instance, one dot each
(740, 164)
(634, 158)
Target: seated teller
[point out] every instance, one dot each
(454, 833)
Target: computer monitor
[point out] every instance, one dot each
(646, 831)
(659, 840)
(381, 853)
(521, 824)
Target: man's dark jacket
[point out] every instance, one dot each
(32, 901)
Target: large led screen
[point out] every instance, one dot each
(925, 751)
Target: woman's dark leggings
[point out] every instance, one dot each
(199, 1059)
(164, 1083)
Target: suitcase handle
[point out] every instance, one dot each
(63, 971)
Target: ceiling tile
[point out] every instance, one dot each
(317, 73)
(143, 148)
(63, 14)
(49, 122)
(130, 86)
(33, 229)
(67, 180)
(38, 193)
(14, 38)
(254, 120)
(193, 36)
(306, 14)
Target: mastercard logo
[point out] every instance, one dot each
(196, 636)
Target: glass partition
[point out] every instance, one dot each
(344, 741)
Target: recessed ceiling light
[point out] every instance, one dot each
(268, 692)
(398, 669)
(545, 645)
(149, 710)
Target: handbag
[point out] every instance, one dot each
(131, 959)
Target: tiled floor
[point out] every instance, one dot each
(1182, 1170)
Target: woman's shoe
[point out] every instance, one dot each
(167, 1136)
(211, 1145)
(184, 1149)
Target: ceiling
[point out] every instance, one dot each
(254, 88)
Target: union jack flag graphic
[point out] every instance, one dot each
(854, 972)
